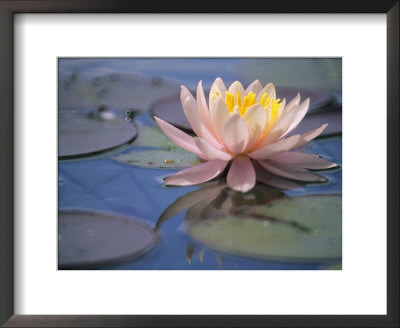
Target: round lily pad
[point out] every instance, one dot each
(92, 240)
(159, 159)
(115, 90)
(305, 228)
(80, 135)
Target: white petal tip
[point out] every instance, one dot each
(244, 189)
(172, 181)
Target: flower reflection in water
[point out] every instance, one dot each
(263, 224)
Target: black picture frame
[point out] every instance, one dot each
(10, 7)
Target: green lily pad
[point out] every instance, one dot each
(80, 135)
(159, 159)
(306, 228)
(149, 136)
(116, 90)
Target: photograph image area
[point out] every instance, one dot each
(200, 163)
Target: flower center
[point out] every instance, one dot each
(235, 104)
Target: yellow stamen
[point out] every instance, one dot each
(248, 101)
(230, 103)
(275, 108)
(253, 97)
(216, 94)
(263, 98)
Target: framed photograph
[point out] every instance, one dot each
(206, 164)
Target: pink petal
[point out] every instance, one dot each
(282, 108)
(217, 90)
(241, 175)
(275, 148)
(236, 87)
(197, 174)
(255, 87)
(308, 136)
(203, 108)
(255, 119)
(210, 151)
(235, 133)
(179, 137)
(218, 85)
(303, 160)
(272, 180)
(219, 114)
(301, 112)
(195, 119)
(293, 103)
(279, 128)
(270, 89)
(271, 122)
(290, 171)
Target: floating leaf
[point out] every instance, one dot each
(93, 239)
(149, 136)
(79, 135)
(306, 228)
(116, 90)
(159, 159)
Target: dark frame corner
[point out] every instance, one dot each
(10, 7)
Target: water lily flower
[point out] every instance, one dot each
(248, 129)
